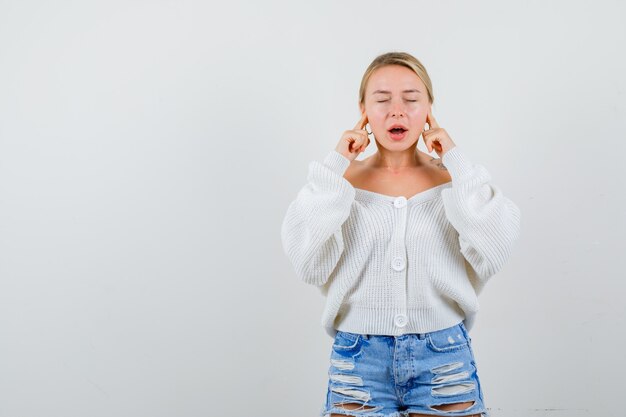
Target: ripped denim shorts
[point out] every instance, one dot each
(393, 376)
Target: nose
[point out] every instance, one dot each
(396, 110)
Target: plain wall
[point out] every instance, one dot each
(149, 151)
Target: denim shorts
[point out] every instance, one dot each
(392, 376)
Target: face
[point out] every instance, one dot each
(396, 95)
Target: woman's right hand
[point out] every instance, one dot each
(354, 141)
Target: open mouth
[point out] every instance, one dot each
(397, 133)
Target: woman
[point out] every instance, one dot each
(401, 244)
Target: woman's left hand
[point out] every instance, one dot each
(436, 137)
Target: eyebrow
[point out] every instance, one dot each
(389, 92)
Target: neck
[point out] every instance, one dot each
(396, 160)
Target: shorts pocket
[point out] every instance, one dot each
(345, 341)
(447, 340)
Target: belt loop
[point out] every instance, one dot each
(366, 337)
(421, 336)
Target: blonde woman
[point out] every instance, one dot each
(401, 244)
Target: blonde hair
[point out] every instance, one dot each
(396, 58)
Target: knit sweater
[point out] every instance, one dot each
(391, 265)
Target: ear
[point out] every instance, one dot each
(361, 108)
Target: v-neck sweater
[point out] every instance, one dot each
(391, 265)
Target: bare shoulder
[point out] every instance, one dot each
(354, 173)
(437, 162)
(440, 169)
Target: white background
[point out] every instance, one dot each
(149, 150)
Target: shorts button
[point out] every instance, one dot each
(398, 263)
(399, 202)
(400, 320)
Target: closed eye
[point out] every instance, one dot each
(382, 101)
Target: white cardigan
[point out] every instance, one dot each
(391, 265)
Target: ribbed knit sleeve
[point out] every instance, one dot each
(488, 223)
(311, 231)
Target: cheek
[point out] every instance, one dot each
(417, 109)
(377, 112)
(419, 117)
(376, 118)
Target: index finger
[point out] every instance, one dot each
(432, 123)
(361, 123)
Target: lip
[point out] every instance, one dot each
(398, 136)
(395, 125)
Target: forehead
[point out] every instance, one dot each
(394, 79)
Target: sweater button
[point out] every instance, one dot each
(399, 202)
(400, 320)
(398, 263)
